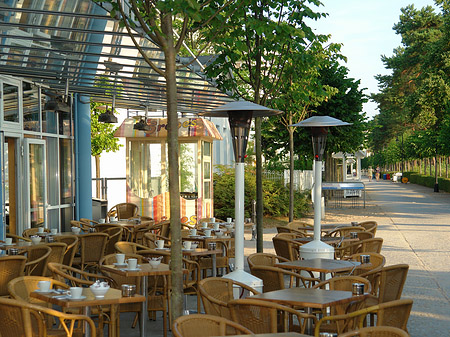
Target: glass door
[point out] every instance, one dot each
(36, 183)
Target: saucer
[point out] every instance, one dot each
(75, 299)
(44, 292)
(162, 248)
(195, 236)
(188, 250)
(120, 264)
(208, 237)
(127, 269)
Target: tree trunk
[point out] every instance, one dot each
(97, 175)
(259, 191)
(174, 186)
(291, 170)
(431, 164)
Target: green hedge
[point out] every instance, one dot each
(428, 181)
(276, 196)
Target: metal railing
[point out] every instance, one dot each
(104, 186)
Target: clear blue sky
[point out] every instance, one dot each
(364, 27)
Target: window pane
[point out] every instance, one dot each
(52, 171)
(65, 157)
(11, 103)
(49, 118)
(207, 170)
(37, 189)
(66, 216)
(188, 167)
(207, 190)
(206, 149)
(65, 123)
(30, 107)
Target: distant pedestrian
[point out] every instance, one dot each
(377, 173)
(370, 173)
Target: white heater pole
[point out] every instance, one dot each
(239, 216)
(317, 199)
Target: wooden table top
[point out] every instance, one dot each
(201, 252)
(145, 269)
(210, 238)
(113, 296)
(320, 265)
(309, 297)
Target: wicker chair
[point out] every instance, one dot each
(120, 280)
(92, 249)
(343, 232)
(84, 226)
(377, 261)
(138, 232)
(124, 210)
(286, 229)
(216, 292)
(206, 325)
(11, 267)
(27, 233)
(344, 283)
(365, 235)
(17, 238)
(20, 318)
(394, 313)
(264, 259)
(89, 222)
(388, 283)
(72, 246)
(376, 331)
(66, 274)
(286, 247)
(372, 245)
(114, 236)
(268, 317)
(56, 255)
(222, 261)
(37, 257)
(126, 247)
(275, 278)
(369, 226)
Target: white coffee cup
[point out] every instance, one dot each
(101, 220)
(160, 244)
(204, 225)
(213, 219)
(216, 226)
(193, 231)
(44, 286)
(8, 241)
(112, 218)
(40, 230)
(229, 220)
(54, 231)
(75, 292)
(120, 258)
(76, 230)
(187, 244)
(207, 232)
(132, 263)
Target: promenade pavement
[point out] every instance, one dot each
(415, 225)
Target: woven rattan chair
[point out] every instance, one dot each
(72, 246)
(376, 331)
(222, 261)
(56, 255)
(124, 210)
(19, 318)
(264, 259)
(11, 267)
(286, 247)
(37, 257)
(344, 283)
(275, 278)
(268, 317)
(286, 229)
(114, 236)
(216, 292)
(126, 247)
(84, 226)
(344, 232)
(365, 235)
(27, 233)
(372, 245)
(17, 238)
(138, 232)
(394, 313)
(92, 249)
(120, 280)
(67, 274)
(369, 226)
(89, 222)
(377, 261)
(198, 325)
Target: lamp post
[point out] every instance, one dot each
(319, 130)
(240, 114)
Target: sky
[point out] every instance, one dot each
(364, 27)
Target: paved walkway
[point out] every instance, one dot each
(415, 225)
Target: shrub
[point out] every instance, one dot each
(428, 181)
(275, 195)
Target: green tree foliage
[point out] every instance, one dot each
(414, 100)
(102, 134)
(276, 195)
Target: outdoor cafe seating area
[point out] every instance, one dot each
(79, 283)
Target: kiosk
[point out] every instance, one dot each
(147, 165)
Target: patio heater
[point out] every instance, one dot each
(319, 130)
(240, 114)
